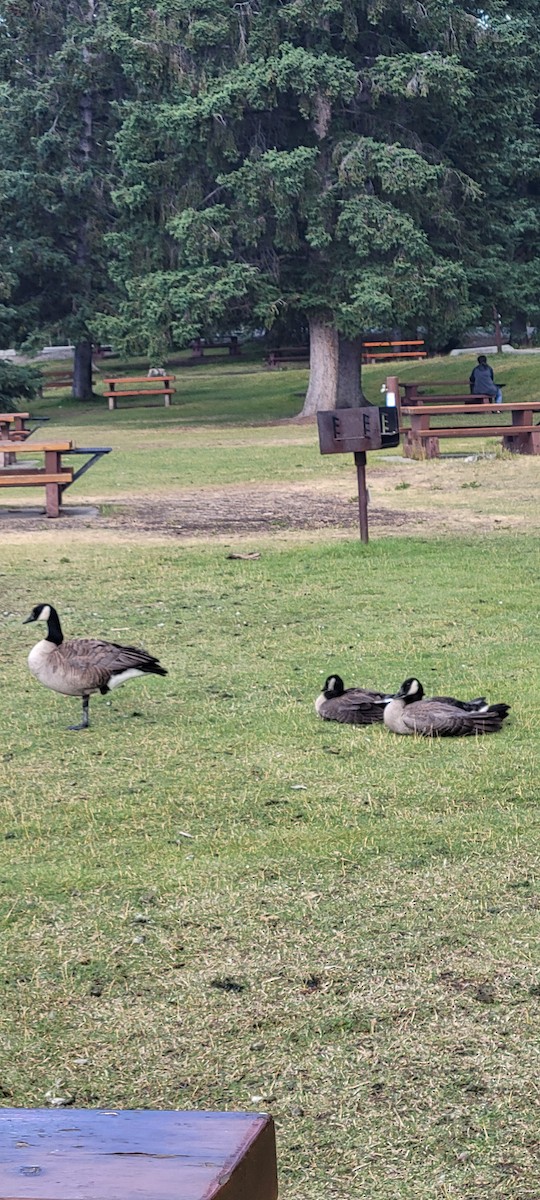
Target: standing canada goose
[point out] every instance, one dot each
(351, 706)
(83, 665)
(409, 713)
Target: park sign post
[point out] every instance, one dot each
(354, 431)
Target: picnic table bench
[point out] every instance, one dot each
(50, 1154)
(53, 475)
(413, 394)
(60, 379)
(14, 428)
(520, 435)
(284, 354)
(373, 352)
(115, 389)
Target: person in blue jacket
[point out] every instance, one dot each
(482, 382)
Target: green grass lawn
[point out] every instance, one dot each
(212, 898)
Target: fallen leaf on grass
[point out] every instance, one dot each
(244, 556)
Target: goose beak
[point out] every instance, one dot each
(29, 619)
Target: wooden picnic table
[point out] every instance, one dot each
(92, 1154)
(115, 389)
(14, 428)
(413, 394)
(521, 435)
(53, 475)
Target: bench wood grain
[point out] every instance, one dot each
(86, 1154)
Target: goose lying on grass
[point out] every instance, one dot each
(351, 706)
(359, 706)
(409, 713)
(81, 666)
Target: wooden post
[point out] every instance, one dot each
(524, 443)
(498, 331)
(53, 498)
(360, 460)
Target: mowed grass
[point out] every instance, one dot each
(221, 428)
(214, 899)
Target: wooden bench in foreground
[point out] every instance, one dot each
(92, 1154)
(521, 435)
(157, 385)
(53, 475)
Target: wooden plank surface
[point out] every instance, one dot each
(14, 416)
(41, 447)
(137, 378)
(89, 1154)
(16, 478)
(441, 410)
(474, 431)
(144, 392)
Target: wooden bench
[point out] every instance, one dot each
(14, 428)
(413, 395)
(60, 380)
(97, 1154)
(373, 352)
(115, 389)
(287, 354)
(57, 379)
(521, 435)
(53, 475)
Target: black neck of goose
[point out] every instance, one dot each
(54, 629)
(412, 699)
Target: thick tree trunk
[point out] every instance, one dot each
(349, 389)
(82, 371)
(334, 371)
(323, 368)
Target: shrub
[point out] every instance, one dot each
(16, 384)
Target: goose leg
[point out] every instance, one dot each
(84, 723)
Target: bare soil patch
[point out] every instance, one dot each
(433, 503)
(238, 511)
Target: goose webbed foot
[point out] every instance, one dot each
(85, 721)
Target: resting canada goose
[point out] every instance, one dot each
(351, 706)
(409, 713)
(358, 706)
(83, 665)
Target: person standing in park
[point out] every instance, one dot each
(482, 382)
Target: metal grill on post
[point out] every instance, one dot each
(357, 430)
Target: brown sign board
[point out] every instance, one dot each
(353, 430)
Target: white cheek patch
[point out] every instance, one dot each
(45, 613)
(122, 676)
(413, 688)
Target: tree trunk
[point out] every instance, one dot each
(82, 371)
(334, 371)
(349, 385)
(323, 368)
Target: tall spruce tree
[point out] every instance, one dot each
(324, 157)
(60, 77)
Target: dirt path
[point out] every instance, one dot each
(241, 511)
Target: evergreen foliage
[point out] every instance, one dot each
(56, 120)
(195, 165)
(331, 158)
(17, 384)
